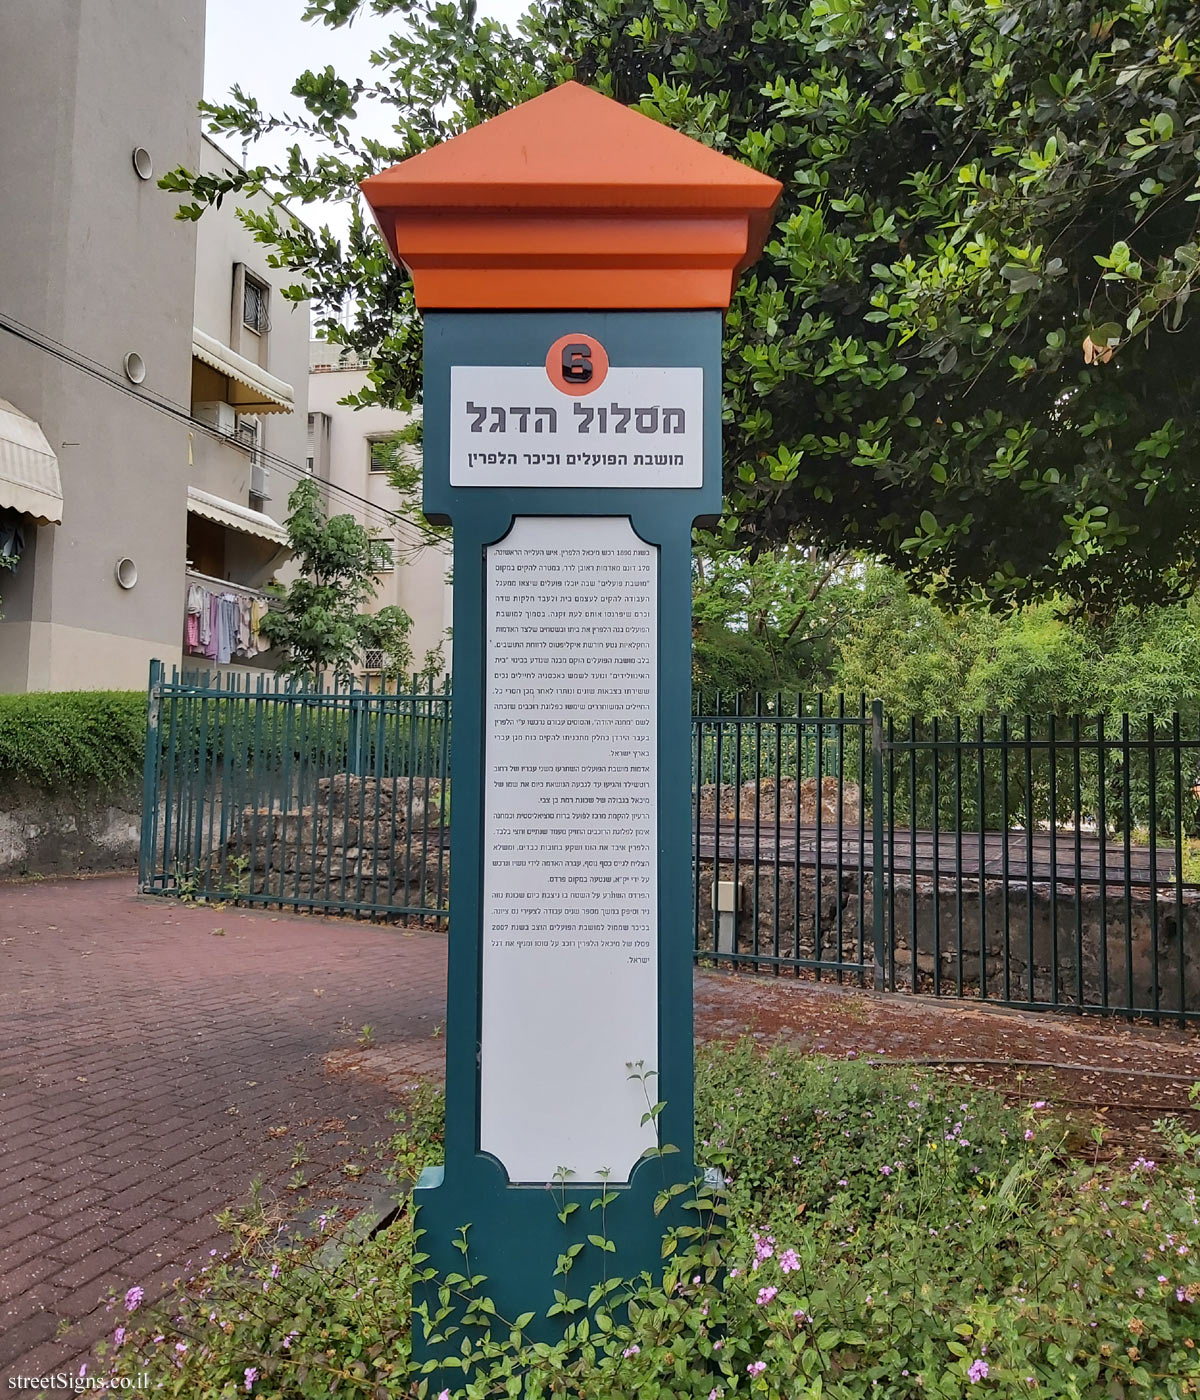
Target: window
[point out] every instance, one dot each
(255, 300)
(390, 563)
(249, 437)
(246, 435)
(380, 450)
(373, 659)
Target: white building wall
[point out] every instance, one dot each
(222, 243)
(420, 582)
(92, 257)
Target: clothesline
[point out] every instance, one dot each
(221, 624)
(222, 585)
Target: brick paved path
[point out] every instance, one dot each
(143, 1059)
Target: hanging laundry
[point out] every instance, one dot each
(226, 628)
(197, 603)
(245, 627)
(222, 625)
(258, 610)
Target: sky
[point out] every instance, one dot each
(263, 45)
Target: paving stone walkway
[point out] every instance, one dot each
(150, 1054)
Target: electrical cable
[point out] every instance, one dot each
(162, 404)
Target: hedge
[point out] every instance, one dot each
(72, 739)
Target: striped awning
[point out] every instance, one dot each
(29, 480)
(236, 517)
(251, 388)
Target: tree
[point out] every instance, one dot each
(318, 619)
(968, 349)
(928, 662)
(770, 622)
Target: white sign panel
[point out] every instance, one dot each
(510, 426)
(570, 886)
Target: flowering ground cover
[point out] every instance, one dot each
(884, 1233)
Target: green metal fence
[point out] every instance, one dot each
(329, 799)
(1035, 862)
(784, 835)
(1038, 862)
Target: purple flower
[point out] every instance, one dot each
(1028, 1134)
(765, 1295)
(756, 1368)
(119, 1337)
(885, 1170)
(181, 1347)
(978, 1371)
(631, 1351)
(789, 1261)
(133, 1299)
(251, 1376)
(290, 1338)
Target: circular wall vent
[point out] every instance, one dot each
(135, 367)
(143, 163)
(126, 572)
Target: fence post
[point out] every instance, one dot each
(355, 733)
(150, 778)
(877, 896)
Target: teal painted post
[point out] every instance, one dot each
(877, 873)
(496, 1184)
(147, 843)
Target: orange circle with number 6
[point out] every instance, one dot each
(577, 364)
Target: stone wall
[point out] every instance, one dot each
(756, 801)
(1063, 961)
(367, 840)
(69, 833)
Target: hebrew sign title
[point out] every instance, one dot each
(511, 426)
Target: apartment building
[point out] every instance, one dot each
(96, 292)
(348, 452)
(152, 377)
(248, 439)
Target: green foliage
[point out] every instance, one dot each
(73, 740)
(924, 661)
(830, 1132)
(963, 347)
(319, 620)
(927, 1241)
(769, 622)
(968, 348)
(9, 562)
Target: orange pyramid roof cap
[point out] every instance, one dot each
(572, 200)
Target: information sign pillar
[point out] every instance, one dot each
(572, 260)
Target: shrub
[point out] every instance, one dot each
(73, 739)
(884, 1240)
